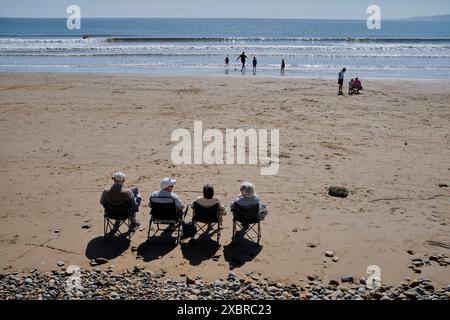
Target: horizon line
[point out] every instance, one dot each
(232, 18)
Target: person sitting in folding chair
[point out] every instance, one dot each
(118, 195)
(248, 200)
(165, 193)
(167, 208)
(207, 211)
(208, 200)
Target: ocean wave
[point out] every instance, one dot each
(232, 39)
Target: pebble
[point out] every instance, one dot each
(347, 279)
(60, 263)
(339, 192)
(329, 254)
(335, 259)
(86, 226)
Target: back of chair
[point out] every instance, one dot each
(205, 215)
(246, 214)
(164, 211)
(118, 212)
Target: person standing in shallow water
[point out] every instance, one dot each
(255, 62)
(227, 62)
(283, 66)
(242, 57)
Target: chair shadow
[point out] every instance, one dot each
(240, 251)
(157, 246)
(109, 248)
(200, 249)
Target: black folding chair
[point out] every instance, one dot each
(248, 217)
(206, 217)
(165, 214)
(121, 214)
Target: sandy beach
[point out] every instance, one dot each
(63, 135)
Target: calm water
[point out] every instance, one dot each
(199, 46)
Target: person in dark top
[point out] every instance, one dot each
(255, 62)
(283, 66)
(341, 80)
(227, 62)
(242, 57)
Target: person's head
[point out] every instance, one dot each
(119, 178)
(168, 184)
(282, 60)
(208, 191)
(243, 52)
(352, 80)
(357, 79)
(343, 70)
(247, 190)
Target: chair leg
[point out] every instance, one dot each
(149, 229)
(218, 234)
(259, 232)
(105, 227)
(234, 230)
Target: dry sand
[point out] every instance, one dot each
(63, 135)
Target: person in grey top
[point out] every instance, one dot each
(165, 193)
(248, 198)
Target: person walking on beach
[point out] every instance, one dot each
(255, 62)
(242, 57)
(341, 81)
(283, 66)
(227, 62)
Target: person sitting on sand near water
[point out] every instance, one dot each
(208, 200)
(165, 193)
(248, 199)
(117, 194)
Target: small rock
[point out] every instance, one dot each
(443, 185)
(86, 226)
(134, 249)
(410, 252)
(433, 258)
(334, 283)
(329, 254)
(339, 192)
(414, 283)
(189, 281)
(60, 263)
(347, 279)
(363, 281)
(335, 259)
(417, 270)
(192, 297)
(57, 231)
(311, 278)
(101, 260)
(28, 281)
(410, 294)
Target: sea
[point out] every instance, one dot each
(163, 46)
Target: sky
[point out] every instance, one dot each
(294, 9)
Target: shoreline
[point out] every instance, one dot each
(221, 76)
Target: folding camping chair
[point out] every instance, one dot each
(204, 217)
(118, 213)
(165, 214)
(247, 216)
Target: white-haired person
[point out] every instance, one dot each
(117, 194)
(249, 198)
(165, 193)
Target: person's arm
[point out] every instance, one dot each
(102, 199)
(178, 202)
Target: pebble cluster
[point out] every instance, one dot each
(138, 283)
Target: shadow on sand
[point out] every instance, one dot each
(157, 246)
(109, 248)
(240, 251)
(200, 249)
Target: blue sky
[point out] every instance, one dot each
(301, 9)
